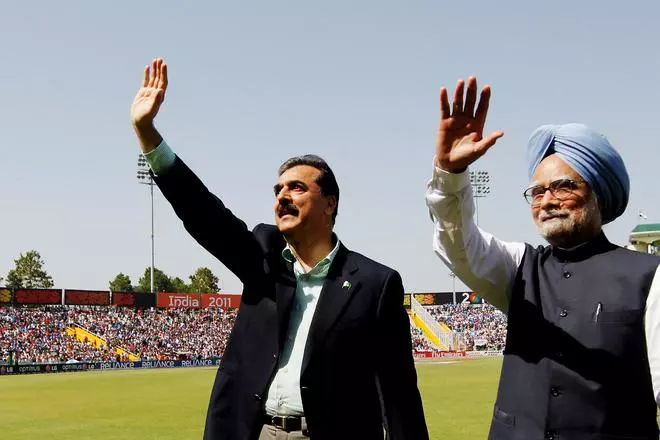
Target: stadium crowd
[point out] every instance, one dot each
(480, 327)
(419, 342)
(160, 334)
(37, 334)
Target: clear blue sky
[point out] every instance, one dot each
(253, 84)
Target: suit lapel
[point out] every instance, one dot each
(285, 291)
(339, 287)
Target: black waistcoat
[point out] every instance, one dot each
(575, 363)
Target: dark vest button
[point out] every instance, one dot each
(563, 313)
(256, 397)
(550, 435)
(567, 274)
(554, 391)
(559, 354)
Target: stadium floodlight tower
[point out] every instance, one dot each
(480, 181)
(144, 177)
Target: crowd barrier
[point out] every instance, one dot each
(454, 354)
(210, 362)
(129, 299)
(94, 366)
(182, 300)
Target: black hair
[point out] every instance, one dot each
(326, 180)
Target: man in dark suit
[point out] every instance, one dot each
(321, 345)
(582, 356)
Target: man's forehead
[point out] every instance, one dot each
(553, 168)
(303, 173)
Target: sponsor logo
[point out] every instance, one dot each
(442, 354)
(157, 364)
(83, 366)
(74, 367)
(116, 365)
(198, 363)
(30, 369)
(183, 301)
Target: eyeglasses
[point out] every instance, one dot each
(561, 189)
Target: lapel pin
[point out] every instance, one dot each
(346, 285)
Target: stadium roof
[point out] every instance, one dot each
(649, 227)
(648, 233)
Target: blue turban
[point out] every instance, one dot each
(591, 155)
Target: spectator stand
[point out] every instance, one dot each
(439, 335)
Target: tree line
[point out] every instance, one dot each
(29, 273)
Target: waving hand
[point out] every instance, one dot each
(146, 104)
(460, 139)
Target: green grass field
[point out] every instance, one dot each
(171, 403)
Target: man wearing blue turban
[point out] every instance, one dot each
(590, 155)
(582, 357)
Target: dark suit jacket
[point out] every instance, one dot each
(357, 371)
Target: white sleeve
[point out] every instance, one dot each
(484, 263)
(652, 329)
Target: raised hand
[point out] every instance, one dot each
(151, 95)
(460, 139)
(147, 103)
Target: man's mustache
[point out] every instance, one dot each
(287, 210)
(545, 215)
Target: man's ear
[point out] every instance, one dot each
(332, 205)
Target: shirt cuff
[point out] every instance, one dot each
(448, 183)
(161, 158)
